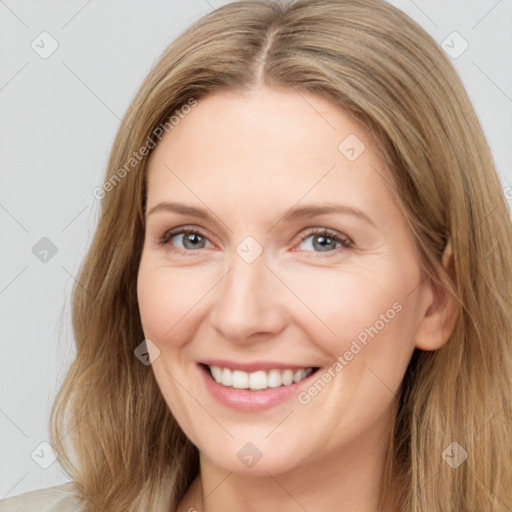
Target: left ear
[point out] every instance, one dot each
(441, 315)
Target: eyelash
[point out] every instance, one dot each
(344, 241)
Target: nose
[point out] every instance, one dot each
(247, 302)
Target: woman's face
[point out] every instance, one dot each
(298, 266)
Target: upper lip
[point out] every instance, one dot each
(254, 365)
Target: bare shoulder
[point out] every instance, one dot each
(60, 498)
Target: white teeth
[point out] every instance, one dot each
(240, 379)
(298, 376)
(274, 379)
(258, 380)
(287, 377)
(217, 373)
(227, 379)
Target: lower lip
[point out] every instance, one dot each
(251, 401)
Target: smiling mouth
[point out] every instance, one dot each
(259, 380)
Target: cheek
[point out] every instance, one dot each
(168, 300)
(166, 305)
(341, 304)
(333, 306)
(161, 303)
(367, 317)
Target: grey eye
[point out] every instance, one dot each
(193, 241)
(320, 243)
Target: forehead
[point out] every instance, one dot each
(264, 148)
(264, 123)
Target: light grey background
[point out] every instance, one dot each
(59, 116)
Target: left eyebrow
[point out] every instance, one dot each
(312, 210)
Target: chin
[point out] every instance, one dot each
(249, 458)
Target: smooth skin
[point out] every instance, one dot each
(247, 159)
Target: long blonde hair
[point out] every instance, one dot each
(110, 426)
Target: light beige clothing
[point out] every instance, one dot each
(60, 498)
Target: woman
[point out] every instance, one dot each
(298, 295)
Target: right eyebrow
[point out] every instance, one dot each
(180, 208)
